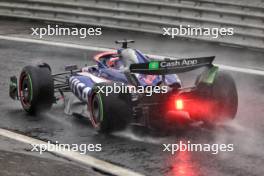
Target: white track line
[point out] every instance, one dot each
(92, 48)
(242, 70)
(74, 156)
(53, 43)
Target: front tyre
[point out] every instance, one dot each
(36, 88)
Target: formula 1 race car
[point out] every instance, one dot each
(128, 87)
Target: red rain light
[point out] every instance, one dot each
(179, 104)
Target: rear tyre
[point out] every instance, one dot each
(110, 112)
(222, 97)
(36, 89)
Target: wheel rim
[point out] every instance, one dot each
(96, 112)
(25, 90)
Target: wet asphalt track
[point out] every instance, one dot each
(142, 153)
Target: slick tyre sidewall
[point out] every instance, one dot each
(40, 87)
(114, 110)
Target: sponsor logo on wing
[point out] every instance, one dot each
(85, 93)
(79, 89)
(73, 84)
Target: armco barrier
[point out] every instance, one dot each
(150, 16)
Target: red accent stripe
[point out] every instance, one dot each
(98, 56)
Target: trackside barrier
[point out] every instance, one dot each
(151, 16)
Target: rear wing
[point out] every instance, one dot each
(168, 66)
